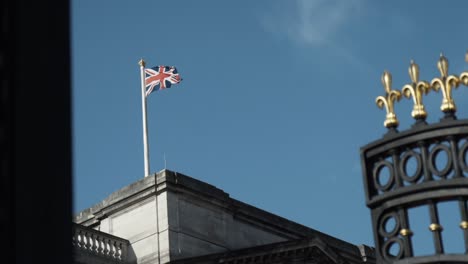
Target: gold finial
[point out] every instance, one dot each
(388, 100)
(435, 227)
(413, 72)
(442, 65)
(464, 225)
(445, 83)
(142, 63)
(406, 232)
(464, 75)
(416, 89)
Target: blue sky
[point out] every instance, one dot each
(277, 96)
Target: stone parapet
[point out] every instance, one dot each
(92, 246)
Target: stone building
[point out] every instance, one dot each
(169, 217)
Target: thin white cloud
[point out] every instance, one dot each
(320, 20)
(312, 22)
(317, 24)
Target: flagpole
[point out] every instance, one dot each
(143, 108)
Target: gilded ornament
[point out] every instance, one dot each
(142, 63)
(464, 225)
(445, 83)
(388, 100)
(406, 232)
(435, 227)
(416, 89)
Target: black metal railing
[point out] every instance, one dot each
(420, 167)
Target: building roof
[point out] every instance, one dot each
(309, 250)
(293, 239)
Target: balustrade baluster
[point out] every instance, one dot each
(92, 238)
(88, 241)
(81, 241)
(118, 250)
(74, 238)
(106, 246)
(123, 253)
(99, 244)
(111, 248)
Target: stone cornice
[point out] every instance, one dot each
(118, 200)
(296, 251)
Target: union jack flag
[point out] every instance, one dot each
(160, 77)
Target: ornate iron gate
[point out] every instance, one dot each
(419, 167)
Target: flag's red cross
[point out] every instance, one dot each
(160, 76)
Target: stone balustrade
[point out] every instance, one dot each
(93, 242)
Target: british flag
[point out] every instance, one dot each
(160, 77)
